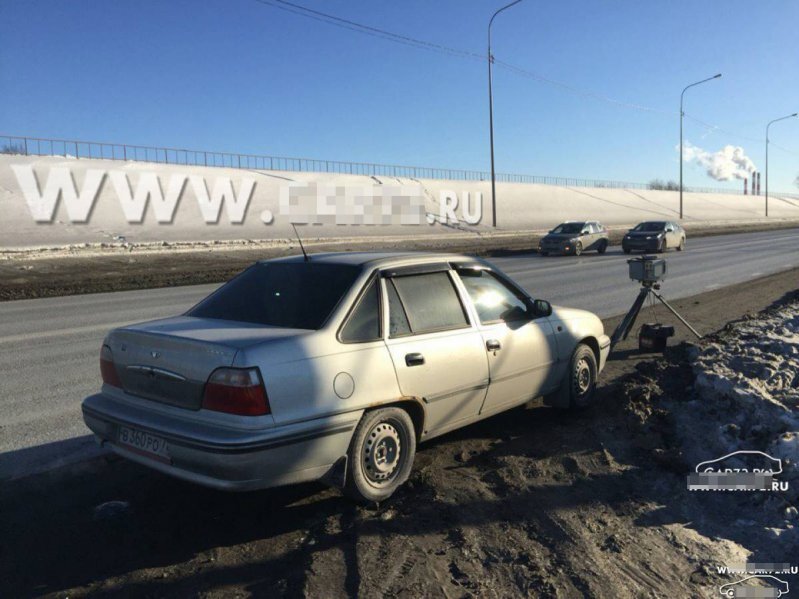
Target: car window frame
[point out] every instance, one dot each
(509, 285)
(387, 277)
(373, 277)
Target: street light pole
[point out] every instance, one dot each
(767, 126)
(682, 114)
(491, 116)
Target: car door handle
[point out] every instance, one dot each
(493, 345)
(414, 359)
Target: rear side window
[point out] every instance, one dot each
(364, 321)
(397, 320)
(297, 295)
(430, 301)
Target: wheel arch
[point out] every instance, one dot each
(593, 343)
(413, 406)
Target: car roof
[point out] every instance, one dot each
(378, 259)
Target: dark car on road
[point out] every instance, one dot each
(654, 236)
(575, 238)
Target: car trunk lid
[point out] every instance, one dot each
(170, 360)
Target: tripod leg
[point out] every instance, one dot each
(673, 311)
(626, 325)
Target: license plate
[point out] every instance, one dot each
(144, 443)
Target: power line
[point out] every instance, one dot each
(406, 40)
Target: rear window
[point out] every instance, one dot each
(297, 295)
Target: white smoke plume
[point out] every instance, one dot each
(728, 163)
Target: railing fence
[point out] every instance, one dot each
(36, 146)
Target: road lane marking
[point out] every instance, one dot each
(61, 332)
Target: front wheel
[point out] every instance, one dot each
(578, 387)
(681, 247)
(578, 248)
(381, 455)
(603, 246)
(626, 250)
(661, 246)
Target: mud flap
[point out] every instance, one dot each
(337, 475)
(560, 398)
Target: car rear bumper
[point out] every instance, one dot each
(223, 457)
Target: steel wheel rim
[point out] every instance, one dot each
(382, 453)
(583, 377)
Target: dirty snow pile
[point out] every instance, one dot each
(747, 379)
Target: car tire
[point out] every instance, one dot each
(625, 250)
(603, 246)
(578, 248)
(380, 457)
(661, 246)
(545, 253)
(681, 247)
(575, 393)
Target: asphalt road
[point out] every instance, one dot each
(49, 347)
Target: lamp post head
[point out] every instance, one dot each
(716, 76)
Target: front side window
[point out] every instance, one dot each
(494, 301)
(363, 323)
(297, 295)
(430, 303)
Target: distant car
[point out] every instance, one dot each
(575, 238)
(335, 368)
(654, 236)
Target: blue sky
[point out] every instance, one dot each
(241, 76)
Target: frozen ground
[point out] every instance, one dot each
(748, 377)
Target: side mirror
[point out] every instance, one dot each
(542, 308)
(584, 232)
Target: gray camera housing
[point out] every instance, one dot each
(647, 269)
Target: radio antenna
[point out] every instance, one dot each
(307, 259)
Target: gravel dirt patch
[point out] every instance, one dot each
(532, 502)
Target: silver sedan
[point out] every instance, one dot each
(333, 368)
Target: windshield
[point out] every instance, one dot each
(654, 226)
(568, 228)
(297, 295)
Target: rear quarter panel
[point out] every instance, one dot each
(316, 376)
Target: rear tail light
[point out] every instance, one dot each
(108, 369)
(236, 391)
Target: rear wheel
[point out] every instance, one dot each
(603, 246)
(578, 248)
(381, 455)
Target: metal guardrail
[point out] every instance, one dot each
(37, 146)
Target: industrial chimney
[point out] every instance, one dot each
(758, 183)
(746, 181)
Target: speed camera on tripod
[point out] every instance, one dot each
(647, 269)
